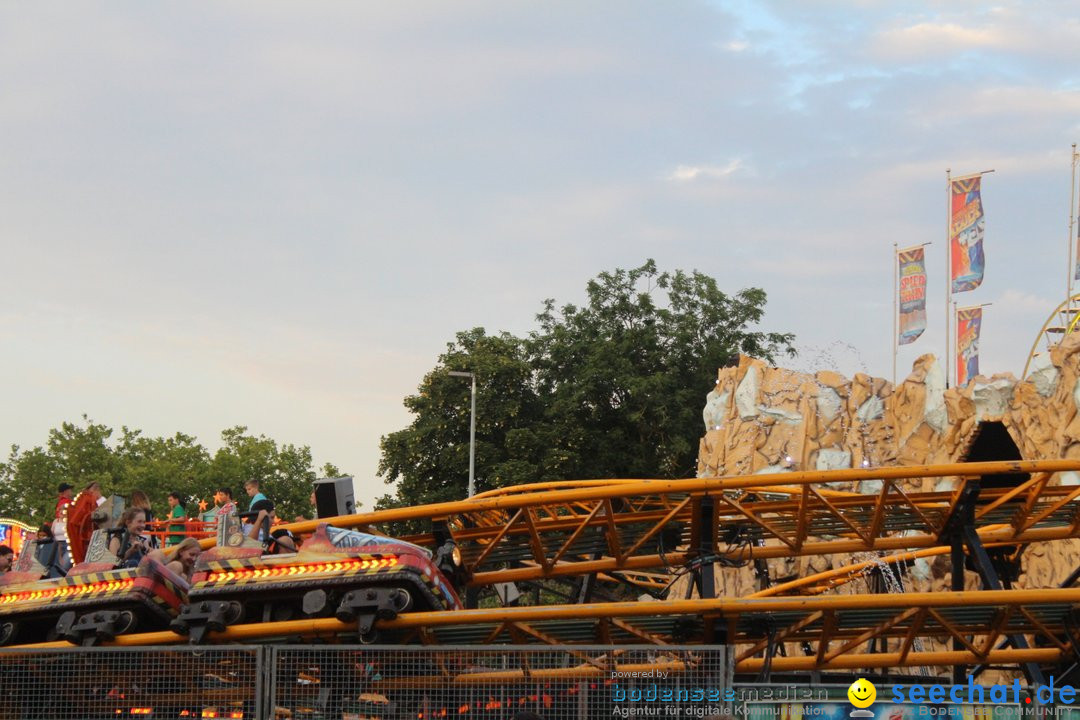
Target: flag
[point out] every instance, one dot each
(968, 325)
(911, 266)
(966, 228)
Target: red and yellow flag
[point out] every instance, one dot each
(968, 327)
(911, 266)
(966, 230)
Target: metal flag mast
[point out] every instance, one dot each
(1072, 225)
(948, 270)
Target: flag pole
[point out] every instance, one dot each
(948, 273)
(1072, 223)
(895, 307)
(955, 360)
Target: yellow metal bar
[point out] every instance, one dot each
(638, 487)
(708, 607)
(861, 661)
(1005, 535)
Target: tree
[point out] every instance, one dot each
(158, 466)
(613, 388)
(624, 377)
(286, 474)
(80, 454)
(430, 458)
(74, 454)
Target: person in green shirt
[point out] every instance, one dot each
(176, 512)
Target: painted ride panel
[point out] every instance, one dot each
(148, 597)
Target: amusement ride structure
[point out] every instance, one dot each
(668, 540)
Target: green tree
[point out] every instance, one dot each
(624, 377)
(430, 458)
(76, 454)
(81, 454)
(158, 466)
(613, 388)
(286, 474)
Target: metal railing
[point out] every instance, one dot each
(368, 682)
(150, 682)
(491, 682)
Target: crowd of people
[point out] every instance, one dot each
(78, 516)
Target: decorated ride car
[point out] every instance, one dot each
(93, 602)
(355, 576)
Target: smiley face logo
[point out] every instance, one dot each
(862, 693)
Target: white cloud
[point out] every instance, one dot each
(1018, 301)
(689, 173)
(928, 37)
(1020, 31)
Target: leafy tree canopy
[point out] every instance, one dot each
(610, 389)
(81, 454)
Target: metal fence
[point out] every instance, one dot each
(367, 682)
(363, 682)
(147, 682)
(491, 682)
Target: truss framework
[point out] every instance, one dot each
(568, 529)
(633, 527)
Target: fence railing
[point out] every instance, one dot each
(151, 682)
(320, 682)
(368, 682)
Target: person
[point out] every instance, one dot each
(63, 501)
(183, 560)
(130, 546)
(258, 518)
(281, 541)
(140, 500)
(45, 534)
(176, 512)
(80, 525)
(223, 498)
(254, 492)
(7, 558)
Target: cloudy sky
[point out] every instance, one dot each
(277, 214)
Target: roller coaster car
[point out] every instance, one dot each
(93, 602)
(352, 575)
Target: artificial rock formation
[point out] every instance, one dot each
(761, 419)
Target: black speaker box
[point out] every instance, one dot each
(334, 496)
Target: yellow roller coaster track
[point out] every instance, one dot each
(573, 529)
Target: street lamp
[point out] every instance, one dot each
(472, 430)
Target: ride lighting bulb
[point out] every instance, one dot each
(67, 591)
(310, 568)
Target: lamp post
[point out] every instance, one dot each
(472, 430)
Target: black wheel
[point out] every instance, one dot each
(7, 633)
(402, 600)
(234, 613)
(369, 638)
(126, 622)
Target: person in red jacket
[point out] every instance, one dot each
(80, 525)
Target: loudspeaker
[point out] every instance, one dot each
(334, 496)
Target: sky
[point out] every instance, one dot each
(277, 214)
